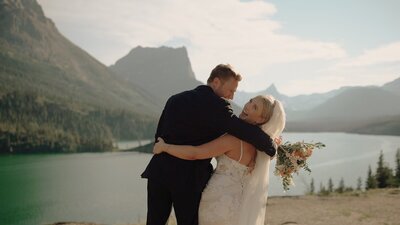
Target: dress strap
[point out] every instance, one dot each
(241, 150)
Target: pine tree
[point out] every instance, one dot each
(330, 185)
(322, 190)
(371, 181)
(312, 187)
(341, 186)
(383, 174)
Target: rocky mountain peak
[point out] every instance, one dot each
(22, 19)
(163, 60)
(272, 89)
(164, 70)
(28, 6)
(26, 30)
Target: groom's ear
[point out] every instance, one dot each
(216, 82)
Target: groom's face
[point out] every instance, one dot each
(227, 88)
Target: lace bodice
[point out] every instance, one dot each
(229, 167)
(221, 198)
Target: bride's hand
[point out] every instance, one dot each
(278, 140)
(160, 146)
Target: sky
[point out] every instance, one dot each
(302, 47)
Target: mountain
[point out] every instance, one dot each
(161, 71)
(370, 109)
(306, 102)
(292, 104)
(393, 86)
(358, 109)
(383, 126)
(242, 97)
(56, 94)
(56, 97)
(359, 103)
(35, 56)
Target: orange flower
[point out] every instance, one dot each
(309, 152)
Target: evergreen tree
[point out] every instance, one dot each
(32, 123)
(322, 190)
(348, 189)
(312, 187)
(371, 181)
(330, 185)
(384, 176)
(341, 186)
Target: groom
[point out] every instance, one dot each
(193, 118)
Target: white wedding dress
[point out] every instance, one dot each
(228, 196)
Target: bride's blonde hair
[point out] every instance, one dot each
(274, 115)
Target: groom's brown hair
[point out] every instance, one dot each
(223, 72)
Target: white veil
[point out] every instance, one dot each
(255, 193)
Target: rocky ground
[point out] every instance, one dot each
(376, 207)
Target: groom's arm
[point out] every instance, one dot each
(159, 126)
(245, 131)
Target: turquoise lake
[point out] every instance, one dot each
(107, 188)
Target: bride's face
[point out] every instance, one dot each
(252, 111)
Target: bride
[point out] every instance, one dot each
(238, 189)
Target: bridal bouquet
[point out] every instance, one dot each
(291, 157)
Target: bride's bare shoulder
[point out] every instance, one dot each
(248, 147)
(234, 141)
(228, 139)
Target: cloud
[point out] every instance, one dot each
(244, 34)
(225, 31)
(374, 66)
(389, 53)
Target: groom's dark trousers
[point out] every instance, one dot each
(192, 117)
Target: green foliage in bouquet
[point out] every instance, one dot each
(291, 157)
